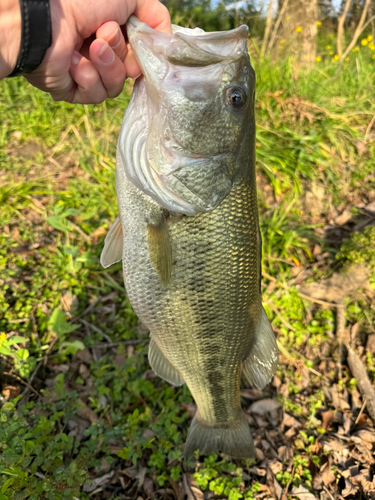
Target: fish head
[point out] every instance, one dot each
(197, 91)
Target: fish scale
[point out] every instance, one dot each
(192, 269)
(213, 288)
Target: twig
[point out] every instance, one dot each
(188, 492)
(88, 333)
(114, 282)
(318, 301)
(284, 495)
(294, 361)
(328, 492)
(8, 374)
(360, 412)
(340, 333)
(267, 30)
(359, 29)
(268, 276)
(277, 24)
(125, 342)
(340, 27)
(175, 488)
(364, 384)
(92, 327)
(140, 402)
(80, 231)
(283, 321)
(93, 304)
(370, 126)
(31, 378)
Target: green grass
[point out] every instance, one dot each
(57, 198)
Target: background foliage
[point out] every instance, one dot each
(82, 415)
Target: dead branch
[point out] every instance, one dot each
(358, 29)
(277, 24)
(340, 334)
(267, 30)
(340, 27)
(364, 384)
(19, 379)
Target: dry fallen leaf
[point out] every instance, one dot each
(98, 481)
(327, 418)
(269, 409)
(302, 493)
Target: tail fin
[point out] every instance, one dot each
(234, 440)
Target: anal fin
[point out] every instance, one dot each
(261, 364)
(113, 243)
(162, 366)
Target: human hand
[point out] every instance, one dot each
(89, 59)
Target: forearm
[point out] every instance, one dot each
(10, 35)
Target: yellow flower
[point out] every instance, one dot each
(282, 40)
(331, 52)
(364, 41)
(369, 38)
(3, 338)
(328, 47)
(319, 24)
(371, 46)
(356, 48)
(347, 59)
(287, 18)
(318, 59)
(298, 29)
(331, 35)
(335, 58)
(373, 57)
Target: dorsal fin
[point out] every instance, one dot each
(112, 251)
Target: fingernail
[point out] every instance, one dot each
(75, 58)
(116, 39)
(106, 54)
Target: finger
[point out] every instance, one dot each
(110, 68)
(155, 14)
(112, 34)
(131, 65)
(89, 86)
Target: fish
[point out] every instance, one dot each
(188, 230)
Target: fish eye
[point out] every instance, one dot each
(236, 97)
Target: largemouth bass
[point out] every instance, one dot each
(188, 232)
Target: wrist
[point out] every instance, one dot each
(10, 35)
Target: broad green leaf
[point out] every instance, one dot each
(17, 340)
(72, 347)
(7, 407)
(22, 354)
(59, 325)
(59, 223)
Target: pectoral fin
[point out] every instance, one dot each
(162, 366)
(260, 366)
(112, 251)
(160, 249)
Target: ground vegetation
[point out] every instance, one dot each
(82, 416)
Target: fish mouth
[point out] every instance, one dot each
(184, 47)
